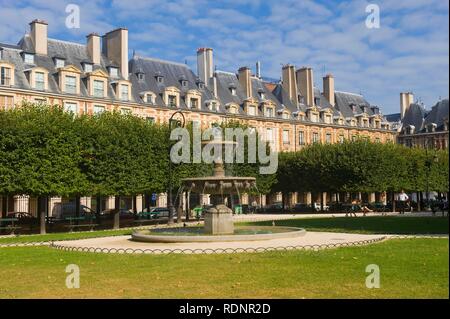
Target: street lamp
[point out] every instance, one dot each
(178, 123)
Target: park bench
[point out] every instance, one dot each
(73, 225)
(10, 227)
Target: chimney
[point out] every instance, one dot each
(38, 32)
(93, 46)
(406, 99)
(205, 64)
(245, 79)
(258, 70)
(289, 82)
(328, 88)
(305, 82)
(115, 47)
(213, 82)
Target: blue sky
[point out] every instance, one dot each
(409, 52)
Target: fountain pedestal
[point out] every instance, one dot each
(219, 220)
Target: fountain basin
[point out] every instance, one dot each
(198, 234)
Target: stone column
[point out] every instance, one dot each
(21, 203)
(139, 203)
(324, 196)
(86, 201)
(308, 198)
(110, 202)
(33, 207)
(54, 206)
(372, 198)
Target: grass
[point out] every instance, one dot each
(368, 225)
(64, 236)
(410, 268)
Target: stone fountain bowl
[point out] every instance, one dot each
(217, 185)
(197, 234)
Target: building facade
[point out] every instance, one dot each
(418, 127)
(98, 76)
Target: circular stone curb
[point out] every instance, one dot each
(291, 233)
(315, 247)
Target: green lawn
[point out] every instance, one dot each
(410, 268)
(369, 225)
(64, 236)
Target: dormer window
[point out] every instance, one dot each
(70, 84)
(1, 53)
(184, 83)
(194, 103)
(28, 58)
(213, 106)
(5, 76)
(261, 94)
(232, 89)
(172, 101)
(300, 99)
(124, 92)
(88, 67)
(141, 76)
(113, 72)
(159, 77)
(201, 85)
(269, 112)
(149, 98)
(59, 63)
(39, 81)
(285, 115)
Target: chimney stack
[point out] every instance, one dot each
(328, 88)
(93, 46)
(115, 47)
(39, 36)
(289, 82)
(258, 70)
(205, 64)
(305, 82)
(245, 79)
(406, 99)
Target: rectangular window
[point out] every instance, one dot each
(251, 110)
(301, 138)
(40, 101)
(99, 109)
(213, 106)
(99, 88)
(172, 101)
(269, 112)
(5, 76)
(29, 58)
(315, 137)
(59, 63)
(285, 115)
(124, 92)
(71, 84)
(39, 81)
(194, 103)
(71, 107)
(6, 102)
(377, 140)
(149, 98)
(150, 119)
(114, 72)
(87, 67)
(341, 138)
(285, 136)
(328, 138)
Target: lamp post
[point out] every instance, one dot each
(178, 123)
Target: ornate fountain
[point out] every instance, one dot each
(219, 218)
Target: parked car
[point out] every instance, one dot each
(302, 208)
(65, 210)
(317, 207)
(159, 212)
(123, 213)
(21, 216)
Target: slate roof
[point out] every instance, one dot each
(437, 115)
(414, 116)
(173, 73)
(345, 101)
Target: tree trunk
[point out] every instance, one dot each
(321, 202)
(98, 209)
(117, 213)
(42, 204)
(418, 201)
(77, 209)
(393, 202)
(4, 206)
(134, 204)
(283, 205)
